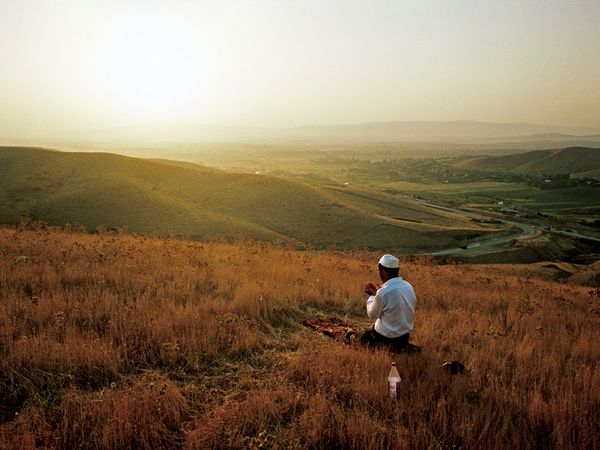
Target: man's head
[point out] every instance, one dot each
(388, 267)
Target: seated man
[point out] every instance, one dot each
(393, 305)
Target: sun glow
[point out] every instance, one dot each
(150, 67)
(74, 67)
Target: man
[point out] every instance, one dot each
(393, 305)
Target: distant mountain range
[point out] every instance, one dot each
(578, 161)
(465, 130)
(501, 135)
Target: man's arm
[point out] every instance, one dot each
(374, 307)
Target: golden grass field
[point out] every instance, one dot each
(120, 341)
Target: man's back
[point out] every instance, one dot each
(394, 308)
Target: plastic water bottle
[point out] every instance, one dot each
(394, 382)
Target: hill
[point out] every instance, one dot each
(578, 161)
(152, 196)
(135, 342)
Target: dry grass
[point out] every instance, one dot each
(117, 341)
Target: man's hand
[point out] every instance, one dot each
(370, 289)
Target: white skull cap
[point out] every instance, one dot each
(389, 261)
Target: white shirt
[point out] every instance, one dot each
(394, 308)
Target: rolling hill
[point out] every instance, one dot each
(578, 161)
(156, 196)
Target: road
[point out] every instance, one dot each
(526, 231)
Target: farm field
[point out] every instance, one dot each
(511, 194)
(121, 341)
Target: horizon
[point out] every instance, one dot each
(73, 68)
(417, 132)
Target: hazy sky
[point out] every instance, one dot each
(90, 64)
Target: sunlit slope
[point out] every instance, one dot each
(165, 197)
(153, 343)
(111, 190)
(423, 226)
(580, 161)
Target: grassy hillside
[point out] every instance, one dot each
(579, 161)
(115, 341)
(153, 196)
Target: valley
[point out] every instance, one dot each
(318, 198)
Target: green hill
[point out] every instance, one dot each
(154, 196)
(578, 161)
